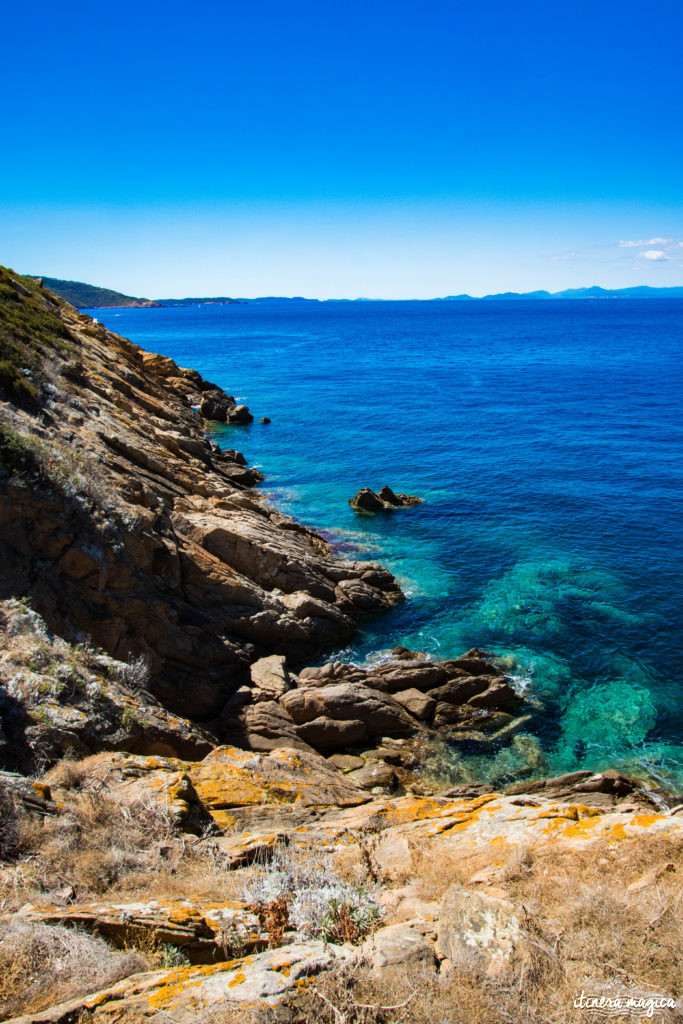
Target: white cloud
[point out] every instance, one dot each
(654, 254)
(646, 241)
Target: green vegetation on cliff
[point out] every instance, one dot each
(30, 326)
(89, 296)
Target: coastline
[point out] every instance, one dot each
(207, 820)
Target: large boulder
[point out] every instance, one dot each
(216, 406)
(395, 676)
(239, 414)
(475, 926)
(380, 714)
(398, 500)
(366, 501)
(324, 733)
(270, 678)
(417, 704)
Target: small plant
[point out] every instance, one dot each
(128, 719)
(305, 891)
(135, 673)
(170, 957)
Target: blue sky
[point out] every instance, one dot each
(343, 149)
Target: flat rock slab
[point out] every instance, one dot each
(205, 931)
(185, 992)
(491, 822)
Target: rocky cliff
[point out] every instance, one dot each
(122, 523)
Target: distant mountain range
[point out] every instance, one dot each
(89, 296)
(642, 291)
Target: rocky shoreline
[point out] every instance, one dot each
(176, 772)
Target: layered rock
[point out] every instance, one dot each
(120, 521)
(207, 931)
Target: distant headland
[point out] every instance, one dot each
(89, 296)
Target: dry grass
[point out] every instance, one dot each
(96, 847)
(45, 964)
(606, 917)
(602, 931)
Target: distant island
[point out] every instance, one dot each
(90, 296)
(217, 300)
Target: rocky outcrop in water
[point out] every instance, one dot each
(368, 501)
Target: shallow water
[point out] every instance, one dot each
(546, 440)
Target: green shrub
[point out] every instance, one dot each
(30, 330)
(18, 453)
(16, 386)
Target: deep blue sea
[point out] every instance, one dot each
(547, 441)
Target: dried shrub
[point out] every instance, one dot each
(97, 842)
(274, 917)
(134, 674)
(44, 964)
(9, 824)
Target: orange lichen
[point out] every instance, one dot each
(646, 820)
(580, 829)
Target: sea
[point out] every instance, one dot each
(546, 438)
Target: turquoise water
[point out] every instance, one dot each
(546, 440)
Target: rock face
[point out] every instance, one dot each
(207, 931)
(121, 522)
(58, 699)
(368, 501)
